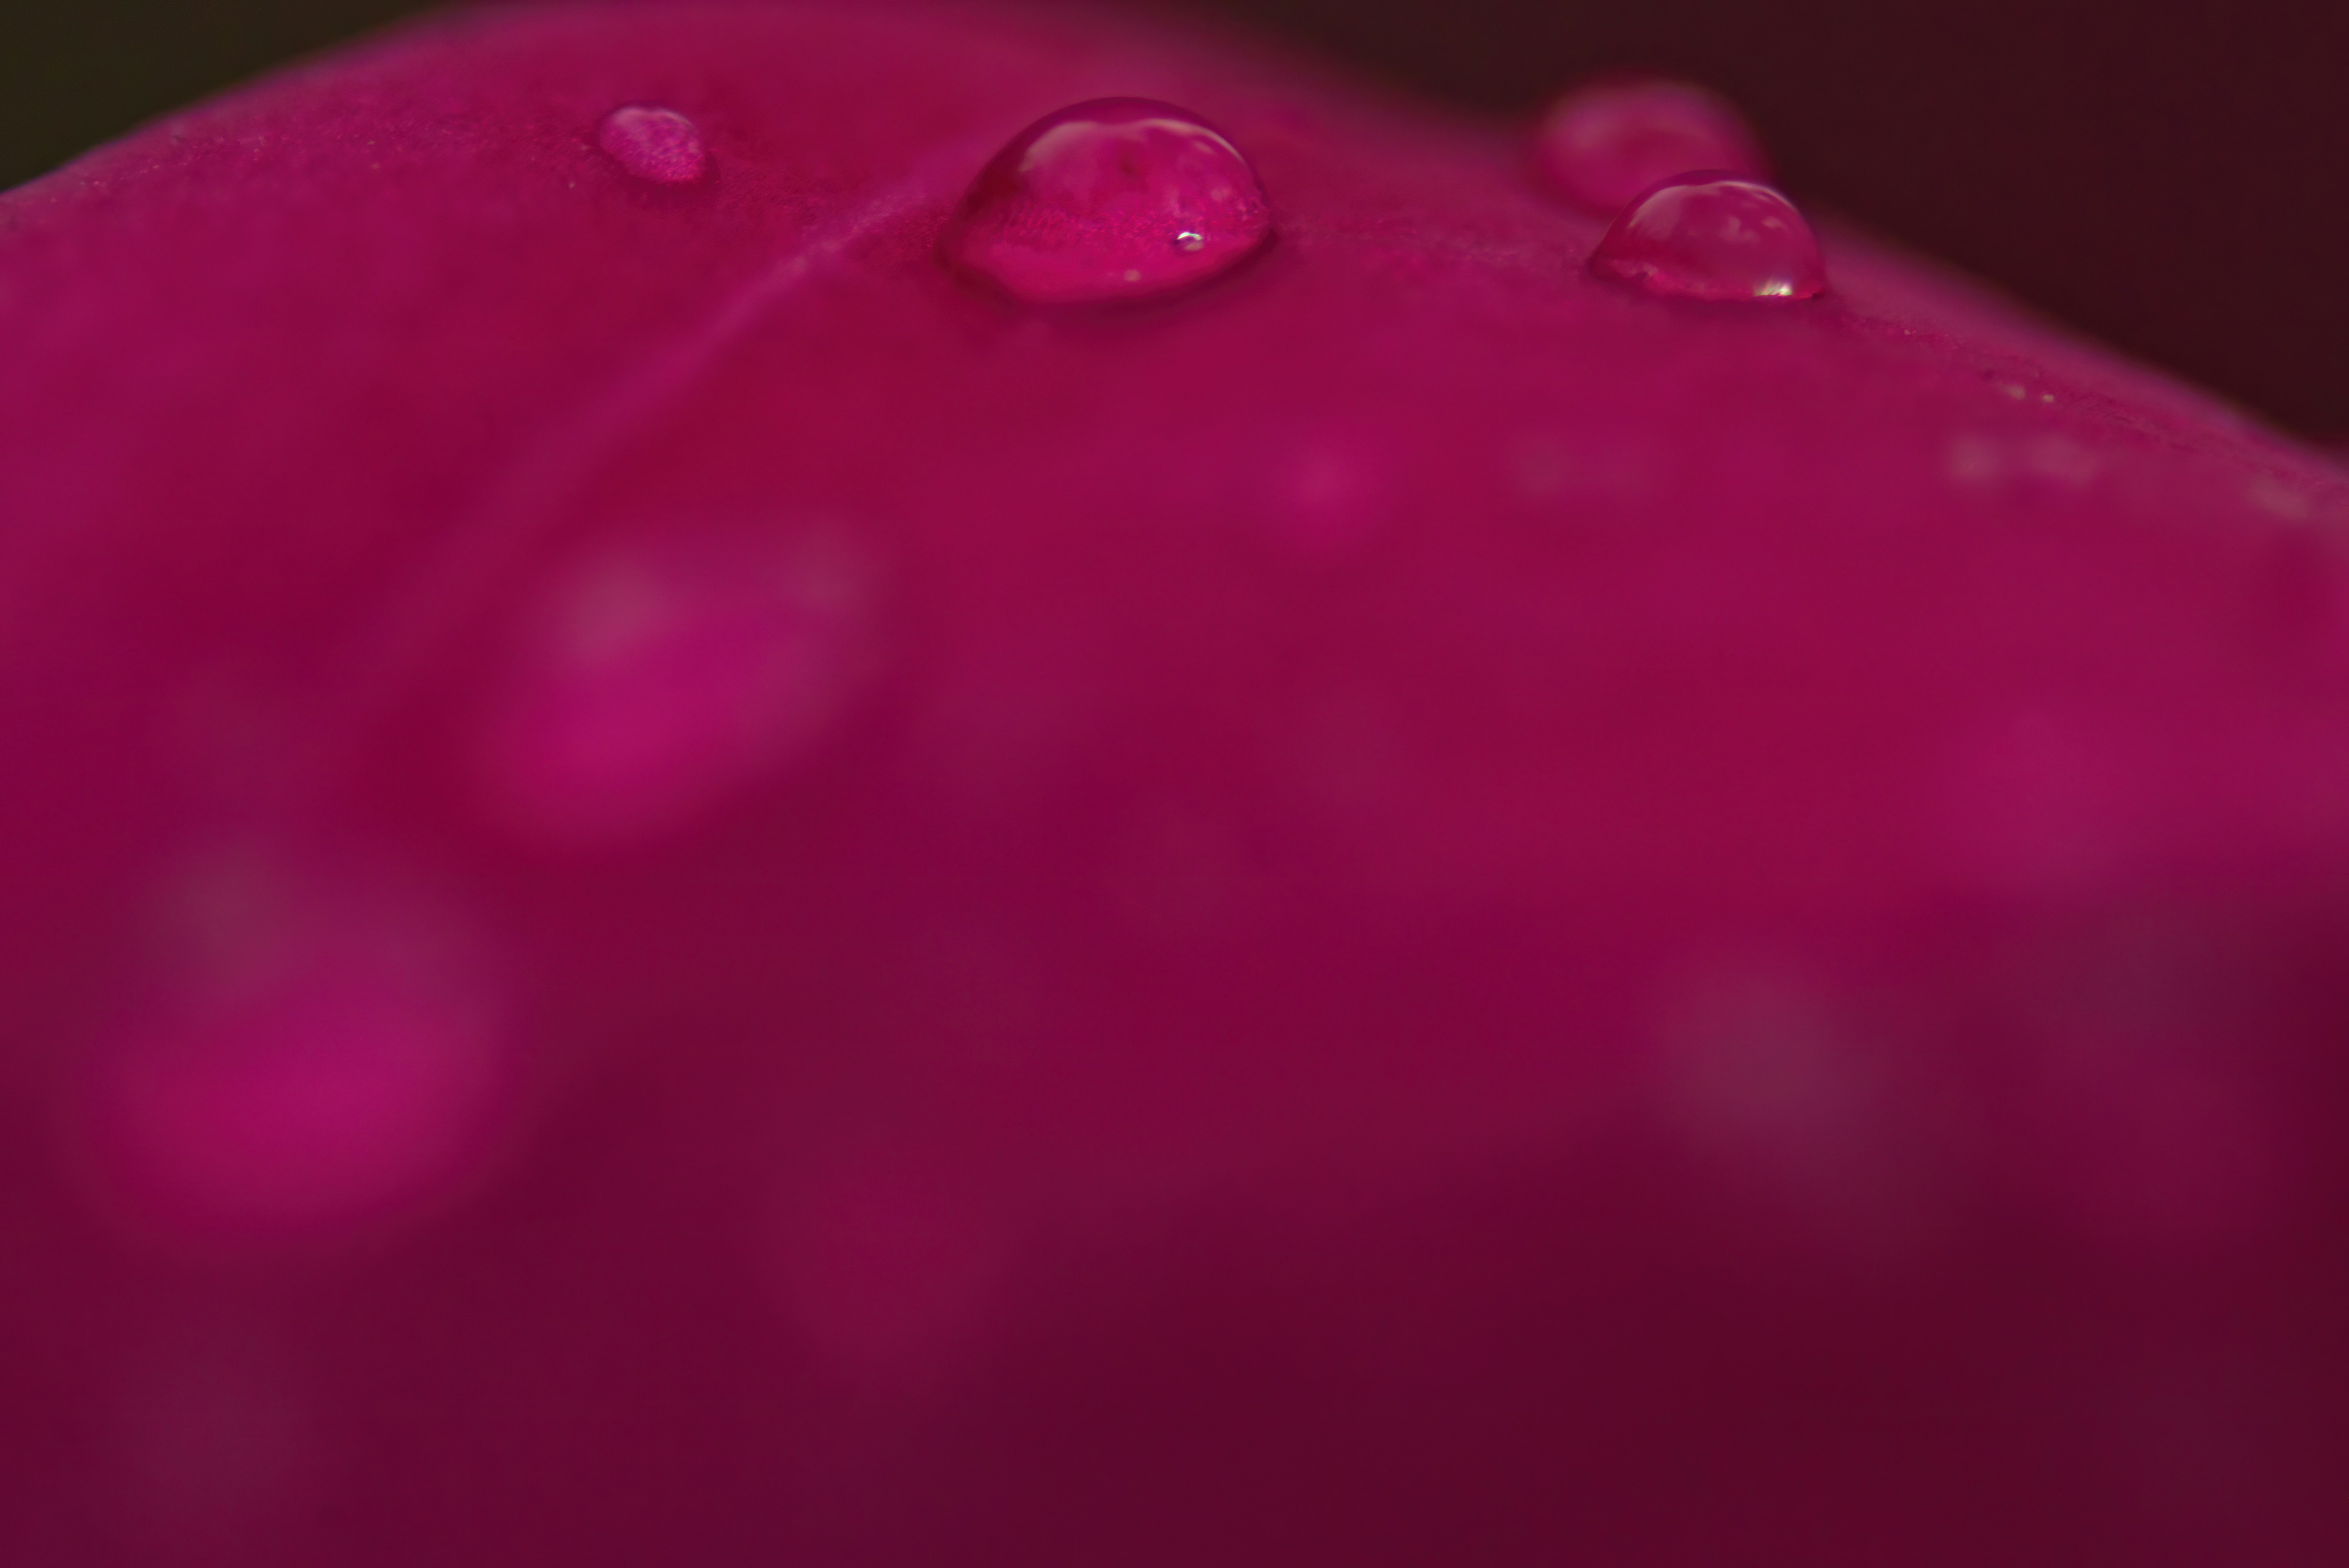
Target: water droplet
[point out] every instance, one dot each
(656, 144)
(660, 673)
(1714, 236)
(1115, 199)
(1604, 144)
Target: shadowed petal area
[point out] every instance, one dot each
(1417, 906)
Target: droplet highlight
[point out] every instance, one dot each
(1713, 235)
(656, 144)
(1603, 144)
(1115, 199)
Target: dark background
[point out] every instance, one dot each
(2172, 177)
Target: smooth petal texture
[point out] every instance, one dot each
(1413, 907)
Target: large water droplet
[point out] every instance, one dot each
(1713, 235)
(656, 144)
(1115, 199)
(1604, 144)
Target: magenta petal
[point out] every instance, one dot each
(1409, 908)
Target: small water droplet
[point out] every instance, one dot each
(656, 144)
(1713, 235)
(1115, 199)
(1603, 144)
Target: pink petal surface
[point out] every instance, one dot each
(1413, 907)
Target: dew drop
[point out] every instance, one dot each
(1713, 235)
(656, 144)
(657, 675)
(1605, 143)
(1115, 199)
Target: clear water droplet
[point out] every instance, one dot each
(654, 143)
(1713, 235)
(1605, 143)
(1115, 199)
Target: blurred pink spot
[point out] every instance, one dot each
(1330, 499)
(2035, 806)
(332, 1090)
(1767, 1086)
(657, 677)
(888, 1265)
(1606, 142)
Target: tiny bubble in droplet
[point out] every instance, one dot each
(656, 144)
(1078, 208)
(1713, 235)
